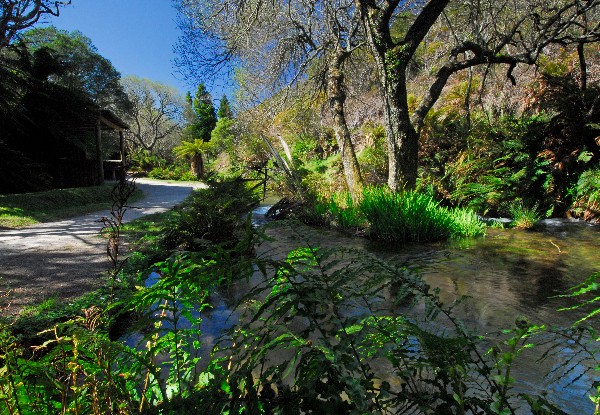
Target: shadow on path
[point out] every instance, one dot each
(67, 258)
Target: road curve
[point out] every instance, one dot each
(67, 258)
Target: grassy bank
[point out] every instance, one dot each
(19, 210)
(401, 217)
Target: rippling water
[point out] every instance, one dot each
(508, 273)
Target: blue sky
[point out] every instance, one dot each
(137, 36)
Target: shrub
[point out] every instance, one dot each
(586, 195)
(523, 216)
(210, 216)
(405, 216)
(144, 161)
(466, 223)
(343, 211)
(401, 217)
(172, 172)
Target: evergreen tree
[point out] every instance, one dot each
(225, 110)
(204, 114)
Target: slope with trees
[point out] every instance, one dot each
(287, 37)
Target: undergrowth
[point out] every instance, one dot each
(326, 331)
(523, 216)
(407, 216)
(321, 331)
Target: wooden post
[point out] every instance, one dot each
(122, 148)
(99, 158)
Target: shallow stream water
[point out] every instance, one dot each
(507, 274)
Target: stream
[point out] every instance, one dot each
(507, 274)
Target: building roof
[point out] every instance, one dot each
(110, 120)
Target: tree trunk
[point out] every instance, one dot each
(197, 165)
(402, 138)
(582, 66)
(99, 156)
(337, 99)
(391, 60)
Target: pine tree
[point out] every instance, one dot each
(225, 110)
(205, 117)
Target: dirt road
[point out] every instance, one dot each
(67, 258)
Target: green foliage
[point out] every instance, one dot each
(210, 216)
(411, 216)
(583, 337)
(587, 293)
(173, 306)
(223, 137)
(81, 67)
(79, 370)
(502, 162)
(322, 177)
(319, 337)
(373, 158)
(192, 148)
(205, 118)
(523, 217)
(466, 223)
(407, 216)
(225, 110)
(177, 172)
(304, 148)
(321, 333)
(73, 374)
(586, 195)
(343, 211)
(144, 161)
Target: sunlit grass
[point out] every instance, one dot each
(24, 209)
(403, 216)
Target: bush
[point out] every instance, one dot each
(523, 216)
(173, 172)
(495, 164)
(586, 195)
(405, 216)
(343, 211)
(210, 216)
(144, 161)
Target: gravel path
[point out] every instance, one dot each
(67, 258)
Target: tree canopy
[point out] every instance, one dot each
(225, 110)
(155, 115)
(18, 15)
(289, 37)
(81, 67)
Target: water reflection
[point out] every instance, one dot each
(507, 274)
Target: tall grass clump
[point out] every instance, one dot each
(410, 216)
(523, 216)
(467, 224)
(343, 211)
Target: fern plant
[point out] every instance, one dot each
(194, 150)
